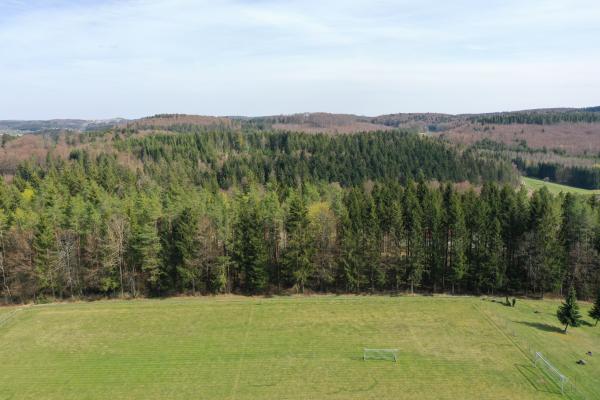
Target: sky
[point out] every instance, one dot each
(99, 59)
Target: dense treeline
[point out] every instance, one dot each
(577, 176)
(257, 212)
(539, 118)
(553, 165)
(224, 157)
(120, 233)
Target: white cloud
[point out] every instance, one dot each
(134, 58)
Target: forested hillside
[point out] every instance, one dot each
(211, 209)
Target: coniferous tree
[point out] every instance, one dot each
(576, 239)
(433, 233)
(542, 244)
(352, 256)
(454, 229)
(249, 252)
(568, 313)
(99, 225)
(187, 246)
(413, 235)
(514, 215)
(299, 250)
(475, 221)
(145, 244)
(492, 263)
(595, 311)
(370, 243)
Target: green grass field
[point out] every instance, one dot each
(291, 348)
(555, 188)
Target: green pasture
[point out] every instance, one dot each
(292, 348)
(555, 188)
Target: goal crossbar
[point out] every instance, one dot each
(551, 370)
(380, 354)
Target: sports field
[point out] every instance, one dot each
(291, 348)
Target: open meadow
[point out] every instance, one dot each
(555, 188)
(292, 348)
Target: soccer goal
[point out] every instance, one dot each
(380, 354)
(551, 371)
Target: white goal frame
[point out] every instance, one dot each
(551, 370)
(380, 354)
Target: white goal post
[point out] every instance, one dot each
(550, 370)
(380, 354)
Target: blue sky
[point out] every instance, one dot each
(132, 58)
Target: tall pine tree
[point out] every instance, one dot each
(568, 313)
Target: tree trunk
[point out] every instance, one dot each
(121, 276)
(7, 294)
(566, 326)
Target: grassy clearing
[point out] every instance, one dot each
(555, 188)
(534, 327)
(295, 348)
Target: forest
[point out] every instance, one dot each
(207, 210)
(553, 165)
(544, 117)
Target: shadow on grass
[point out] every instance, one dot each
(499, 302)
(541, 326)
(537, 379)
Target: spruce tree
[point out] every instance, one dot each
(543, 245)
(413, 236)
(185, 238)
(352, 259)
(568, 312)
(433, 233)
(145, 242)
(299, 251)
(454, 243)
(248, 248)
(595, 311)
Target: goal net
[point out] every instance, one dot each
(551, 371)
(380, 354)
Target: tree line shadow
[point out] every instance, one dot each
(549, 328)
(541, 326)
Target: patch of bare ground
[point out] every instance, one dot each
(165, 121)
(333, 129)
(573, 138)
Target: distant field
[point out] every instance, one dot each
(555, 188)
(291, 348)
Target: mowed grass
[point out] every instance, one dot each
(555, 188)
(289, 348)
(534, 327)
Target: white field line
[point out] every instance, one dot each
(8, 316)
(241, 360)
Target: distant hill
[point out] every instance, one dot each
(81, 125)
(319, 121)
(574, 131)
